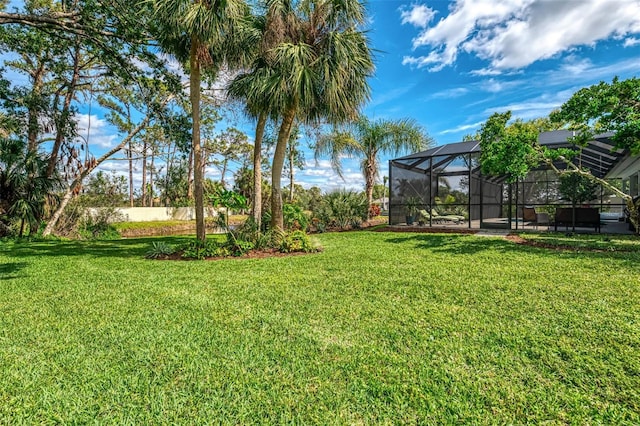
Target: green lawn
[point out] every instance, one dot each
(378, 328)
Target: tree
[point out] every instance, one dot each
(613, 107)
(513, 151)
(315, 67)
(229, 146)
(578, 189)
(367, 139)
(24, 185)
(199, 33)
(66, 49)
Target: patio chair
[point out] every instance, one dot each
(438, 218)
(446, 218)
(531, 215)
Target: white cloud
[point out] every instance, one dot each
(463, 128)
(450, 93)
(512, 34)
(96, 131)
(418, 15)
(321, 174)
(629, 42)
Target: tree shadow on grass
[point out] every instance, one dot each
(123, 248)
(468, 244)
(454, 243)
(9, 271)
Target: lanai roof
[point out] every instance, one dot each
(599, 155)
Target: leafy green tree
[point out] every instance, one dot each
(229, 146)
(248, 86)
(578, 189)
(367, 139)
(105, 190)
(513, 150)
(603, 107)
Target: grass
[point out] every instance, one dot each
(586, 241)
(378, 328)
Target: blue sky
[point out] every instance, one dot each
(450, 64)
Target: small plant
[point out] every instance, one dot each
(238, 247)
(99, 224)
(340, 208)
(294, 217)
(411, 205)
(199, 250)
(159, 250)
(296, 241)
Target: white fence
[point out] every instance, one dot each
(148, 214)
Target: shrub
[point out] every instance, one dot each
(374, 210)
(294, 217)
(98, 224)
(159, 250)
(342, 209)
(199, 250)
(296, 241)
(236, 247)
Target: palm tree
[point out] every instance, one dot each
(315, 64)
(367, 140)
(247, 87)
(24, 185)
(202, 34)
(321, 71)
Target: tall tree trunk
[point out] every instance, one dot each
(225, 162)
(291, 175)
(65, 114)
(257, 170)
(144, 172)
(277, 218)
(190, 175)
(151, 170)
(370, 181)
(198, 170)
(130, 157)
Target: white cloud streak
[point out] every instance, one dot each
(418, 15)
(512, 34)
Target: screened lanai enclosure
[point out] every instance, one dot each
(444, 187)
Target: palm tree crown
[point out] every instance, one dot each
(368, 140)
(313, 66)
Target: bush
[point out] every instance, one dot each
(98, 225)
(294, 217)
(159, 250)
(199, 250)
(374, 210)
(296, 241)
(236, 247)
(342, 209)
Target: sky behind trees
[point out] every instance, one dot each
(451, 64)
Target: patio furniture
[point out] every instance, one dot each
(531, 215)
(438, 218)
(585, 216)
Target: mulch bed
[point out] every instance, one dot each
(252, 254)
